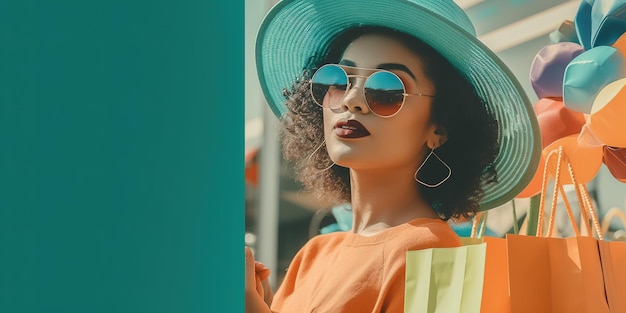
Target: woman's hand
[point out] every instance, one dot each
(258, 292)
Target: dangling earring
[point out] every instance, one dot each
(432, 152)
(315, 151)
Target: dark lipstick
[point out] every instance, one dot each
(350, 129)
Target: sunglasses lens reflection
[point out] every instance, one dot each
(328, 86)
(384, 91)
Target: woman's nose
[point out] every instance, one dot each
(354, 100)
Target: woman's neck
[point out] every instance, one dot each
(383, 199)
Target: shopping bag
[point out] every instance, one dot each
(558, 274)
(441, 280)
(547, 274)
(495, 293)
(613, 256)
(495, 297)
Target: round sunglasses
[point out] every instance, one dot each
(383, 91)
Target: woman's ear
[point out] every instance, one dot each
(438, 137)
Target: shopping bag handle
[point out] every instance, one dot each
(479, 222)
(610, 215)
(586, 208)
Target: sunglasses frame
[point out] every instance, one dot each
(366, 77)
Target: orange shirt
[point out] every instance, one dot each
(347, 272)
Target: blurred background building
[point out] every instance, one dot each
(280, 218)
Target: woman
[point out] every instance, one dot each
(401, 112)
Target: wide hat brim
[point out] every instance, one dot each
(297, 33)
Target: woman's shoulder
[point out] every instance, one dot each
(324, 241)
(427, 233)
(318, 246)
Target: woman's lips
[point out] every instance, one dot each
(350, 129)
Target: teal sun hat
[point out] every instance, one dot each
(295, 34)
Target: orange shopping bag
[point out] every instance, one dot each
(495, 293)
(557, 274)
(613, 256)
(495, 297)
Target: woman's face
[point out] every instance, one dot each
(397, 142)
